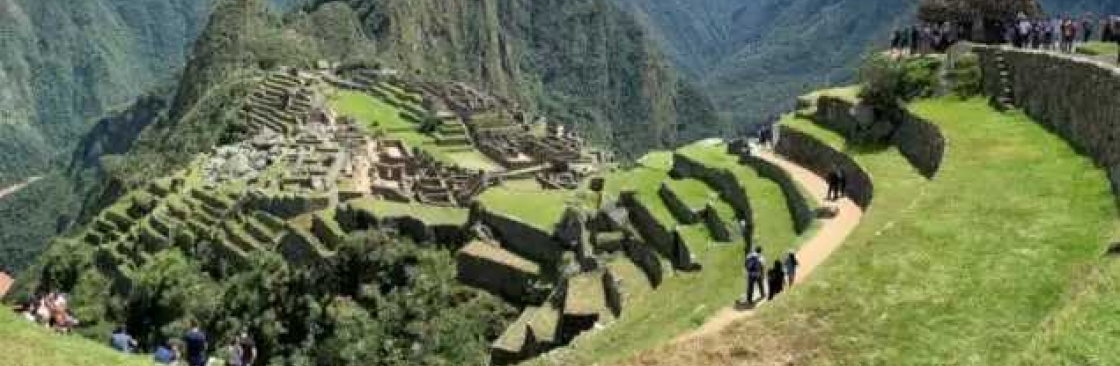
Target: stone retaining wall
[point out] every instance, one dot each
(796, 203)
(920, 141)
(1072, 96)
(524, 240)
(676, 205)
(655, 234)
(645, 259)
(720, 180)
(819, 158)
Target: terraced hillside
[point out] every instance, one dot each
(970, 267)
(332, 154)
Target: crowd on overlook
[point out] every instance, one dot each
(1062, 34)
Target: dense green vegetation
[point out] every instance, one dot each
(581, 62)
(31, 217)
(66, 63)
(754, 57)
(380, 301)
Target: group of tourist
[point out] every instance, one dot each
(1061, 34)
(925, 38)
(192, 350)
(780, 275)
(51, 310)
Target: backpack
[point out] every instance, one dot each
(754, 265)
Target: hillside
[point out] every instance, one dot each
(753, 57)
(28, 345)
(1006, 254)
(67, 63)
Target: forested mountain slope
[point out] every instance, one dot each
(67, 62)
(752, 57)
(582, 62)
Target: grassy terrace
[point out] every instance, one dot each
(539, 208)
(996, 262)
(24, 344)
(684, 300)
(1106, 50)
(378, 115)
(430, 215)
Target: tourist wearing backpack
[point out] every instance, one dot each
(755, 269)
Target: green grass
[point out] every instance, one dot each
(847, 93)
(1098, 49)
(377, 115)
(539, 208)
(979, 267)
(430, 215)
(684, 300)
(25, 344)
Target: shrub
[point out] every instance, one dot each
(965, 75)
(887, 82)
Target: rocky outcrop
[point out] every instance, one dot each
(1072, 96)
(820, 158)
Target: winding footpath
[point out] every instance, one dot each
(830, 235)
(16, 188)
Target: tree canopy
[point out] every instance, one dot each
(971, 10)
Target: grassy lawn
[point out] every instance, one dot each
(968, 269)
(1098, 49)
(540, 209)
(24, 344)
(430, 215)
(684, 300)
(377, 115)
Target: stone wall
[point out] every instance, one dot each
(1074, 97)
(645, 259)
(796, 203)
(720, 180)
(676, 206)
(819, 158)
(921, 142)
(523, 239)
(918, 140)
(655, 234)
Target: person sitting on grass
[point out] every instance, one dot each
(122, 341)
(166, 354)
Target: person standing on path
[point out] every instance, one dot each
(755, 270)
(1087, 28)
(791, 264)
(197, 346)
(776, 278)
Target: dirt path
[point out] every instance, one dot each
(812, 253)
(15, 188)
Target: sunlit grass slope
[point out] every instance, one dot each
(25, 344)
(685, 300)
(972, 268)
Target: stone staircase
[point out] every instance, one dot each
(1005, 98)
